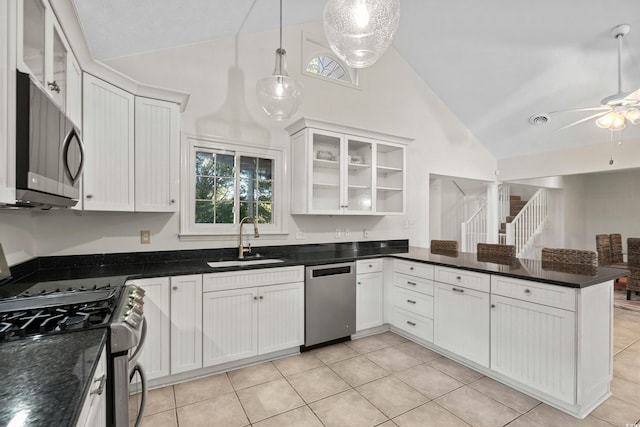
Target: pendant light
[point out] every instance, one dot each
(279, 95)
(359, 31)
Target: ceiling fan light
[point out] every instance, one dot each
(618, 122)
(633, 115)
(606, 121)
(359, 31)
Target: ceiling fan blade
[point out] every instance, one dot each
(577, 110)
(586, 119)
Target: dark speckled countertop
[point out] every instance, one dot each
(44, 379)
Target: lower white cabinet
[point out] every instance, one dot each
(535, 345)
(186, 323)
(155, 355)
(245, 322)
(369, 294)
(94, 407)
(461, 321)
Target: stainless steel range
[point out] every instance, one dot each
(57, 307)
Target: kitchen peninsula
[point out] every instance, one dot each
(546, 333)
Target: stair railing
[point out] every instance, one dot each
(504, 203)
(529, 222)
(474, 230)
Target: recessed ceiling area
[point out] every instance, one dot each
(494, 64)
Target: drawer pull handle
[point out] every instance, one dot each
(458, 278)
(410, 323)
(527, 291)
(370, 266)
(457, 290)
(410, 301)
(412, 283)
(411, 268)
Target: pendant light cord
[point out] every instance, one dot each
(280, 24)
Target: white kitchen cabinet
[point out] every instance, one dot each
(461, 313)
(44, 52)
(94, 407)
(534, 344)
(74, 91)
(157, 155)
(108, 133)
(155, 355)
(344, 171)
(7, 101)
(186, 323)
(412, 299)
(241, 319)
(369, 294)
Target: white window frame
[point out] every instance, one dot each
(189, 229)
(314, 46)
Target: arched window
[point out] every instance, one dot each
(328, 67)
(319, 61)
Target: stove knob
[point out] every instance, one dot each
(133, 319)
(135, 309)
(138, 290)
(137, 299)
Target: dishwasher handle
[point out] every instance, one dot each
(330, 270)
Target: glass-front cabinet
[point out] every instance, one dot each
(44, 52)
(340, 173)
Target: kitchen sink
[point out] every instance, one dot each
(237, 262)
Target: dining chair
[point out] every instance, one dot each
(493, 250)
(633, 263)
(569, 256)
(603, 246)
(444, 245)
(616, 248)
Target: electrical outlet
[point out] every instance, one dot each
(145, 237)
(365, 233)
(338, 233)
(346, 232)
(299, 235)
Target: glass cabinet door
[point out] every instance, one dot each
(359, 175)
(57, 82)
(326, 172)
(33, 38)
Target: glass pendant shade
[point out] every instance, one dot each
(279, 95)
(613, 120)
(359, 31)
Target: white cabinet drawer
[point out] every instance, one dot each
(414, 269)
(539, 293)
(420, 326)
(369, 266)
(413, 283)
(249, 278)
(413, 301)
(467, 279)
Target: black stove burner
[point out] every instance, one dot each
(56, 313)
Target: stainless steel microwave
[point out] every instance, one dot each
(49, 150)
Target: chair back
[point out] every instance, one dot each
(444, 245)
(603, 246)
(492, 250)
(569, 256)
(633, 252)
(616, 248)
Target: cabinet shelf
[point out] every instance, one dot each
(325, 185)
(358, 166)
(327, 164)
(359, 187)
(389, 188)
(388, 169)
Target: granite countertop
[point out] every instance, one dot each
(45, 379)
(572, 276)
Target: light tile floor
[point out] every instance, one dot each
(384, 380)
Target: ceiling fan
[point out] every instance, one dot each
(614, 110)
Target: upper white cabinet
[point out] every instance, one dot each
(7, 101)
(339, 170)
(109, 141)
(157, 153)
(43, 52)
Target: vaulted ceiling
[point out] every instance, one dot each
(494, 63)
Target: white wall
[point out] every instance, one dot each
(221, 78)
(17, 235)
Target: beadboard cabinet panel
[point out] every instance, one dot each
(157, 153)
(186, 323)
(109, 141)
(280, 317)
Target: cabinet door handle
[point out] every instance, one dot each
(173, 201)
(457, 290)
(410, 323)
(359, 283)
(370, 266)
(411, 268)
(410, 301)
(175, 288)
(261, 297)
(412, 283)
(493, 306)
(89, 196)
(255, 298)
(100, 388)
(53, 86)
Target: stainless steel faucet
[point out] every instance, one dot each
(241, 248)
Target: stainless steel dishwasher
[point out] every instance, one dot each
(330, 302)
